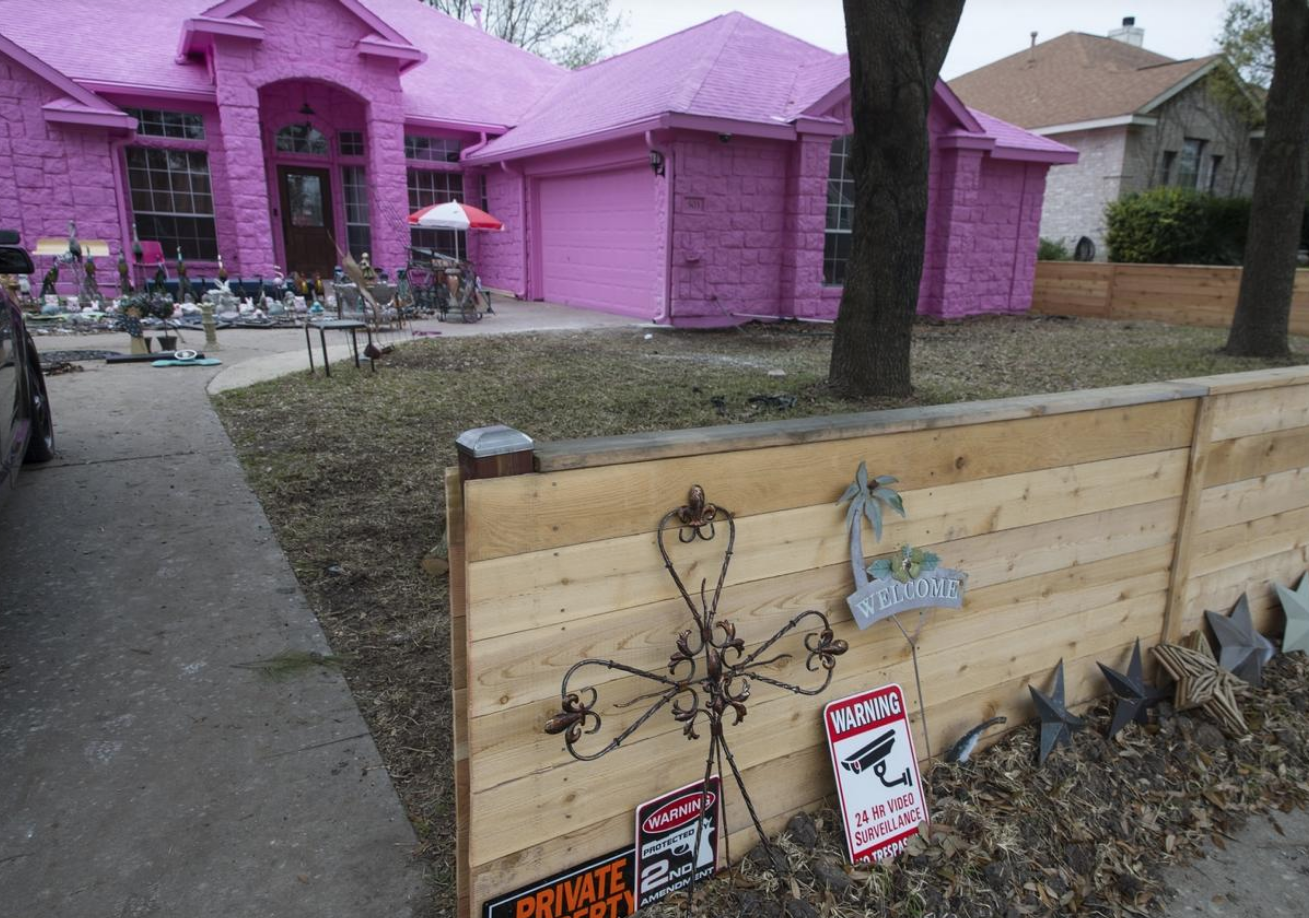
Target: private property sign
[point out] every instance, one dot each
(601, 888)
(882, 799)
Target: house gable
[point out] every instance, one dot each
(241, 19)
(76, 105)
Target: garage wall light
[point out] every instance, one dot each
(657, 162)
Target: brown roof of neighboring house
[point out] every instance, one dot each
(1075, 77)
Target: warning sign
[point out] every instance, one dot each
(667, 852)
(882, 799)
(601, 888)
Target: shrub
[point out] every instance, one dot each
(1052, 250)
(1159, 226)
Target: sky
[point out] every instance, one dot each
(989, 29)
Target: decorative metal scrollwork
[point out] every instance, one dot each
(709, 674)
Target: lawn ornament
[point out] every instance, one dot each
(1295, 604)
(49, 280)
(963, 748)
(1135, 695)
(710, 674)
(1057, 724)
(1241, 649)
(1202, 683)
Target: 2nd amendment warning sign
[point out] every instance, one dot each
(601, 888)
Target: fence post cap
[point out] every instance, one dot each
(496, 440)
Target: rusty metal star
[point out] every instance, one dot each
(1202, 683)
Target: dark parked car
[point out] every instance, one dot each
(26, 429)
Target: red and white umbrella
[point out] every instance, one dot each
(454, 216)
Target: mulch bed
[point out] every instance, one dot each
(1088, 834)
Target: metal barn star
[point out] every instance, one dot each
(1057, 724)
(1202, 683)
(1295, 603)
(707, 676)
(1242, 650)
(1135, 695)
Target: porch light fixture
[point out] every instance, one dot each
(307, 110)
(657, 162)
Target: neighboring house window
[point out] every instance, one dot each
(1166, 167)
(1215, 163)
(840, 213)
(152, 122)
(358, 233)
(431, 149)
(172, 201)
(351, 143)
(301, 138)
(1188, 163)
(427, 188)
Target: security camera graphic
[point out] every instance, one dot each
(874, 756)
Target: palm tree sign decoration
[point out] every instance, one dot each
(708, 675)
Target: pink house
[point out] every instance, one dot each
(698, 180)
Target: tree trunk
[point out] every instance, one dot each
(1263, 309)
(896, 51)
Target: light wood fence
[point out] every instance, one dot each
(1177, 294)
(1085, 520)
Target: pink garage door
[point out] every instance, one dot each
(598, 237)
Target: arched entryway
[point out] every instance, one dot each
(316, 150)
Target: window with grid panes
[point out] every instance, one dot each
(431, 149)
(301, 138)
(151, 122)
(351, 143)
(425, 189)
(359, 234)
(840, 213)
(172, 200)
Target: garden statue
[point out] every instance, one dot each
(90, 292)
(74, 247)
(124, 276)
(366, 266)
(183, 280)
(161, 280)
(138, 253)
(51, 278)
(207, 321)
(222, 270)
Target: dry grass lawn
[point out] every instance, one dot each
(349, 469)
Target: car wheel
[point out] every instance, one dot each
(41, 441)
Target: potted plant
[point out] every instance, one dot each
(140, 306)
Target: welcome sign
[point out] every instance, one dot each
(884, 596)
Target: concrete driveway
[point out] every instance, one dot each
(150, 767)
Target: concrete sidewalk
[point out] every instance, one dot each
(146, 771)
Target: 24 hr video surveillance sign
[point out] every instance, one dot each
(881, 792)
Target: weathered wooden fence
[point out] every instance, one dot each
(1176, 294)
(1085, 520)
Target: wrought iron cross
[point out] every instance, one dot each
(710, 672)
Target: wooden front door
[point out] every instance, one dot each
(307, 226)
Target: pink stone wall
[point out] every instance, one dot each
(51, 173)
(729, 228)
(500, 257)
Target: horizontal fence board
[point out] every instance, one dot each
(1244, 414)
(512, 515)
(1251, 498)
(1246, 542)
(1220, 590)
(1255, 456)
(702, 441)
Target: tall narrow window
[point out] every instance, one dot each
(427, 188)
(1215, 164)
(1166, 167)
(359, 234)
(1188, 163)
(172, 200)
(840, 213)
(484, 203)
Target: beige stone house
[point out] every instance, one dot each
(1138, 119)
